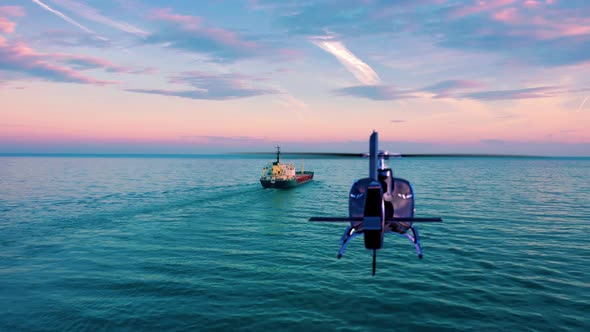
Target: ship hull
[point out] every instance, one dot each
(300, 178)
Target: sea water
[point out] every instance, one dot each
(195, 243)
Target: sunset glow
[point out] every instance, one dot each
(435, 76)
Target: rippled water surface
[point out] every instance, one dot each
(197, 244)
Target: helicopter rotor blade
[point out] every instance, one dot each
(334, 219)
(414, 219)
(394, 219)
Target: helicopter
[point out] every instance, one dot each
(378, 205)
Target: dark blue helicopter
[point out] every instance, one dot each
(379, 204)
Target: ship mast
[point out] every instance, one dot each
(278, 154)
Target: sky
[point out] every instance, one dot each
(218, 76)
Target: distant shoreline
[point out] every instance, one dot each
(286, 155)
(396, 155)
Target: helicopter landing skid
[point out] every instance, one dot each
(415, 238)
(348, 235)
(351, 232)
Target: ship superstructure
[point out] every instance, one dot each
(283, 175)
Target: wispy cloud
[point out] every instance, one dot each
(71, 38)
(507, 15)
(545, 34)
(212, 87)
(18, 58)
(449, 88)
(189, 33)
(288, 102)
(527, 93)
(92, 14)
(7, 26)
(167, 15)
(312, 18)
(541, 33)
(477, 7)
(583, 103)
(201, 94)
(80, 62)
(223, 139)
(376, 92)
(454, 89)
(146, 71)
(363, 72)
(14, 11)
(67, 19)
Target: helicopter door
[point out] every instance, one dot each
(403, 199)
(357, 198)
(403, 204)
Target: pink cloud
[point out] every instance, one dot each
(548, 28)
(228, 38)
(18, 57)
(450, 88)
(85, 62)
(508, 15)
(146, 71)
(291, 54)
(211, 86)
(193, 25)
(479, 7)
(526, 93)
(531, 3)
(6, 26)
(166, 14)
(14, 11)
(498, 3)
(190, 33)
(573, 30)
(92, 14)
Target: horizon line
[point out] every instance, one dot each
(311, 154)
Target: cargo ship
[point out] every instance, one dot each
(283, 175)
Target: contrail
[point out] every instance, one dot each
(94, 15)
(362, 71)
(582, 104)
(66, 18)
